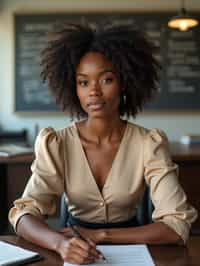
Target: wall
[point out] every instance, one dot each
(174, 124)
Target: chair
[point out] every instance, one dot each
(144, 211)
(64, 214)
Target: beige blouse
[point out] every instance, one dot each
(143, 156)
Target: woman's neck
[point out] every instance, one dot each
(102, 130)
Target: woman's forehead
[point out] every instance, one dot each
(94, 61)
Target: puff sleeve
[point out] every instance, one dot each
(46, 181)
(168, 197)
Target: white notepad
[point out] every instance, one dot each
(13, 255)
(123, 255)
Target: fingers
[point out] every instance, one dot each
(80, 252)
(94, 251)
(84, 254)
(89, 247)
(75, 258)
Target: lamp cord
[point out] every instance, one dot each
(183, 4)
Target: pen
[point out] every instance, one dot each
(78, 234)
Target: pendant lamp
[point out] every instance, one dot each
(182, 21)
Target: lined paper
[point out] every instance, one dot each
(123, 255)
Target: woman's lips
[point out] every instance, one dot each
(96, 105)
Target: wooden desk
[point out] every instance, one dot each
(162, 255)
(14, 173)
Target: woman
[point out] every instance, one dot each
(102, 161)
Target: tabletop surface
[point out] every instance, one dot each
(163, 255)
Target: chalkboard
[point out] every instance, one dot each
(179, 55)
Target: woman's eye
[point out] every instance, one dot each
(107, 80)
(83, 83)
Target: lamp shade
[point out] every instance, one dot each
(182, 21)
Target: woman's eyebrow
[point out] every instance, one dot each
(101, 72)
(107, 70)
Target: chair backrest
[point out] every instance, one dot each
(144, 211)
(64, 214)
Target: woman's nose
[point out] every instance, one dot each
(95, 90)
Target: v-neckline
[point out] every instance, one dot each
(113, 162)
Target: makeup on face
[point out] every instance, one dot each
(98, 86)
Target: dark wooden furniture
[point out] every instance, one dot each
(19, 137)
(165, 255)
(14, 173)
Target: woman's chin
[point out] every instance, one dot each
(101, 115)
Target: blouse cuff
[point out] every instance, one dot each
(16, 213)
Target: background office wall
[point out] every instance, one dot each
(174, 124)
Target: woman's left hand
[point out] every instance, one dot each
(96, 235)
(67, 232)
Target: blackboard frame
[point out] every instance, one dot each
(51, 110)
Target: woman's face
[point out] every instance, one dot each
(98, 86)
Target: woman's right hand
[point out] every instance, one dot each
(77, 251)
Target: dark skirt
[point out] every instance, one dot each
(75, 221)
